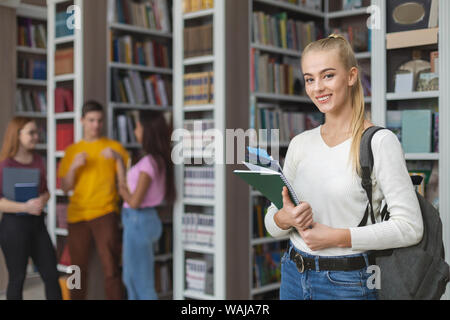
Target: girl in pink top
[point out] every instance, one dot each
(148, 183)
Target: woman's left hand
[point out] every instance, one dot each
(321, 237)
(124, 192)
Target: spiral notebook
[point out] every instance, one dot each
(269, 182)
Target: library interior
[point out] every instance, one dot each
(110, 89)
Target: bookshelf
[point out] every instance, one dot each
(385, 99)
(187, 254)
(276, 103)
(69, 81)
(126, 36)
(31, 46)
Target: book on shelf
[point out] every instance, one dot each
(61, 28)
(150, 14)
(198, 40)
(260, 206)
(63, 100)
(199, 182)
(31, 100)
(150, 53)
(198, 229)
(32, 35)
(32, 68)
(197, 5)
(64, 135)
(416, 131)
(412, 15)
(275, 75)
(133, 88)
(198, 88)
(280, 31)
(125, 126)
(267, 264)
(200, 274)
(200, 136)
(64, 61)
(357, 35)
(351, 4)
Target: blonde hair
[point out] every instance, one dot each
(348, 59)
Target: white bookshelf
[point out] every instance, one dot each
(217, 63)
(113, 107)
(53, 81)
(381, 99)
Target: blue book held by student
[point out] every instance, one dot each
(24, 192)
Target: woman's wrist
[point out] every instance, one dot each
(279, 221)
(342, 238)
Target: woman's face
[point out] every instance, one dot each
(29, 136)
(327, 82)
(139, 131)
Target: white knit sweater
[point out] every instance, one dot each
(323, 177)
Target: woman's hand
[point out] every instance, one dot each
(124, 192)
(299, 217)
(34, 206)
(321, 237)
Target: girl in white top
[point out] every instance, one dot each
(322, 165)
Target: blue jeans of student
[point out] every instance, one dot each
(141, 229)
(323, 284)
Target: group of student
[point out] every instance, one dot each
(96, 169)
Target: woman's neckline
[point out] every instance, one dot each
(326, 145)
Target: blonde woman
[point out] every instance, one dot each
(328, 254)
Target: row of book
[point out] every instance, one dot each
(29, 34)
(125, 125)
(198, 229)
(418, 130)
(149, 53)
(133, 88)
(31, 100)
(197, 5)
(198, 40)
(271, 75)
(200, 274)
(63, 99)
(61, 211)
(199, 182)
(359, 37)
(199, 139)
(260, 206)
(279, 31)
(267, 264)
(32, 68)
(289, 124)
(199, 88)
(64, 61)
(151, 14)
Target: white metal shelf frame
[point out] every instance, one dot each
(52, 82)
(218, 108)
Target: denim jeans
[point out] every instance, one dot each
(323, 284)
(141, 229)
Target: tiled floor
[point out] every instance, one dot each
(33, 289)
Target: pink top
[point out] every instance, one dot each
(156, 191)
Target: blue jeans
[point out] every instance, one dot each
(141, 229)
(323, 284)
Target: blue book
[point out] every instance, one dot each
(416, 131)
(24, 192)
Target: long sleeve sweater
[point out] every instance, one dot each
(324, 177)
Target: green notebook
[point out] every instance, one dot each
(270, 184)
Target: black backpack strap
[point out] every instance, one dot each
(366, 163)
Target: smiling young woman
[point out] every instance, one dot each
(329, 260)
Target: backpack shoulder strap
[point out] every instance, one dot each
(366, 163)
